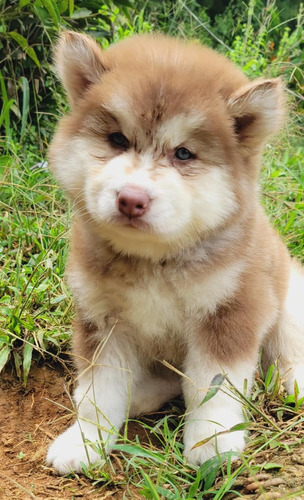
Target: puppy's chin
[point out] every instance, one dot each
(138, 238)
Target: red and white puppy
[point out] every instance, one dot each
(172, 257)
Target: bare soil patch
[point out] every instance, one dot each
(31, 417)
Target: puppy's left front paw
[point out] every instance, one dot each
(234, 441)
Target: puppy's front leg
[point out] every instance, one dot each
(218, 414)
(101, 399)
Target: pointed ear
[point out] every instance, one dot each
(257, 111)
(79, 63)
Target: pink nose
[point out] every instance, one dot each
(133, 201)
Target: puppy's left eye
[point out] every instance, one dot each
(119, 140)
(183, 154)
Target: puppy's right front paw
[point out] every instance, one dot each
(67, 453)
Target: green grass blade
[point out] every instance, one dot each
(4, 354)
(149, 488)
(4, 116)
(27, 360)
(6, 106)
(215, 386)
(71, 7)
(25, 105)
(138, 451)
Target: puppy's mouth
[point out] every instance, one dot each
(132, 223)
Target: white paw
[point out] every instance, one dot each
(68, 452)
(234, 441)
(296, 378)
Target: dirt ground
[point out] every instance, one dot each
(31, 417)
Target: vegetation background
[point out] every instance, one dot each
(263, 38)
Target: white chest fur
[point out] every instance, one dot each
(153, 301)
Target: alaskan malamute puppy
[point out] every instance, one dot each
(172, 257)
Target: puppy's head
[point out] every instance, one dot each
(160, 147)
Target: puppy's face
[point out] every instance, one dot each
(156, 152)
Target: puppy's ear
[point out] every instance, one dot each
(257, 111)
(79, 63)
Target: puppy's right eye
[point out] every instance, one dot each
(119, 140)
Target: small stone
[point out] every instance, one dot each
(275, 481)
(253, 486)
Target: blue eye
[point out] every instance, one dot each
(183, 154)
(119, 140)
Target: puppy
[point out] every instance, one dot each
(172, 257)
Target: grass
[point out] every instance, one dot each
(36, 308)
(282, 183)
(35, 305)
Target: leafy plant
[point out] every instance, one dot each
(32, 256)
(27, 32)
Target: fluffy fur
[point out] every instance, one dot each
(198, 279)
